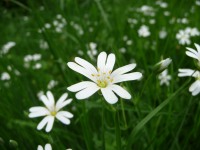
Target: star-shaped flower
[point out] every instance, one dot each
(103, 78)
(51, 111)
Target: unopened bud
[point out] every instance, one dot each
(162, 65)
(13, 144)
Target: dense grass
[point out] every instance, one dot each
(157, 117)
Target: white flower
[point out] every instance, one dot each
(47, 147)
(195, 87)
(144, 31)
(7, 47)
(192, 31)
(163, 64)
(103, 78)
(164, 77)
(52, 84)
(162, 34)
(5, 76)
(183, 37)
(51, 111)
(193, 53)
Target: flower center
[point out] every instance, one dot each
(103, 78)
(53, 113)
(102, 84)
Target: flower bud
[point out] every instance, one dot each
(13, 144)
(162, 65)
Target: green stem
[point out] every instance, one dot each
(123, 113)
(117, 131)
(102, 126)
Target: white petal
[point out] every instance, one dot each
(185, 72)
(41, 111)
(198, 47)
(50, 97)
(190, 54)
(87, 92)
(194, 86)
(63, 104)
(192, 50)
(196, 91)
(110, 62)
(80, 70)
(109, 96)
(86, 65)
(46, 101)
(62, 99)
(48, 147)
(39, 147)
(62, 118)
(44, 121)
(49, 124)
(120, 91)
(80, 86)
(123, 70)
(66, 114)
(128, 77)
(101, 60)
(37, 109)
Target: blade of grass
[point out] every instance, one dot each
(144, 121)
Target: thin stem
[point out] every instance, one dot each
(102, 126)
(123, 113)
(117, 131)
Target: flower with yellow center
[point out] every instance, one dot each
(103, 78)
(51, 111)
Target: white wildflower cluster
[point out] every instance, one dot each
(147, 10)
(92, 51)
(195, 54)
(57, 25)
(77, 27)
(6, 48)
(183, 36)
(144, 31)
(32, 61)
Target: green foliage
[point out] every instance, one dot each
(157, 117)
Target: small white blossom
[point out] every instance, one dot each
(47, 147)
(5, 49)
(51, 111)
(52, 84)
(5, 76)
(143, 31)
(103, 78)
(164, 77)
(162, 34)
(183, 37)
